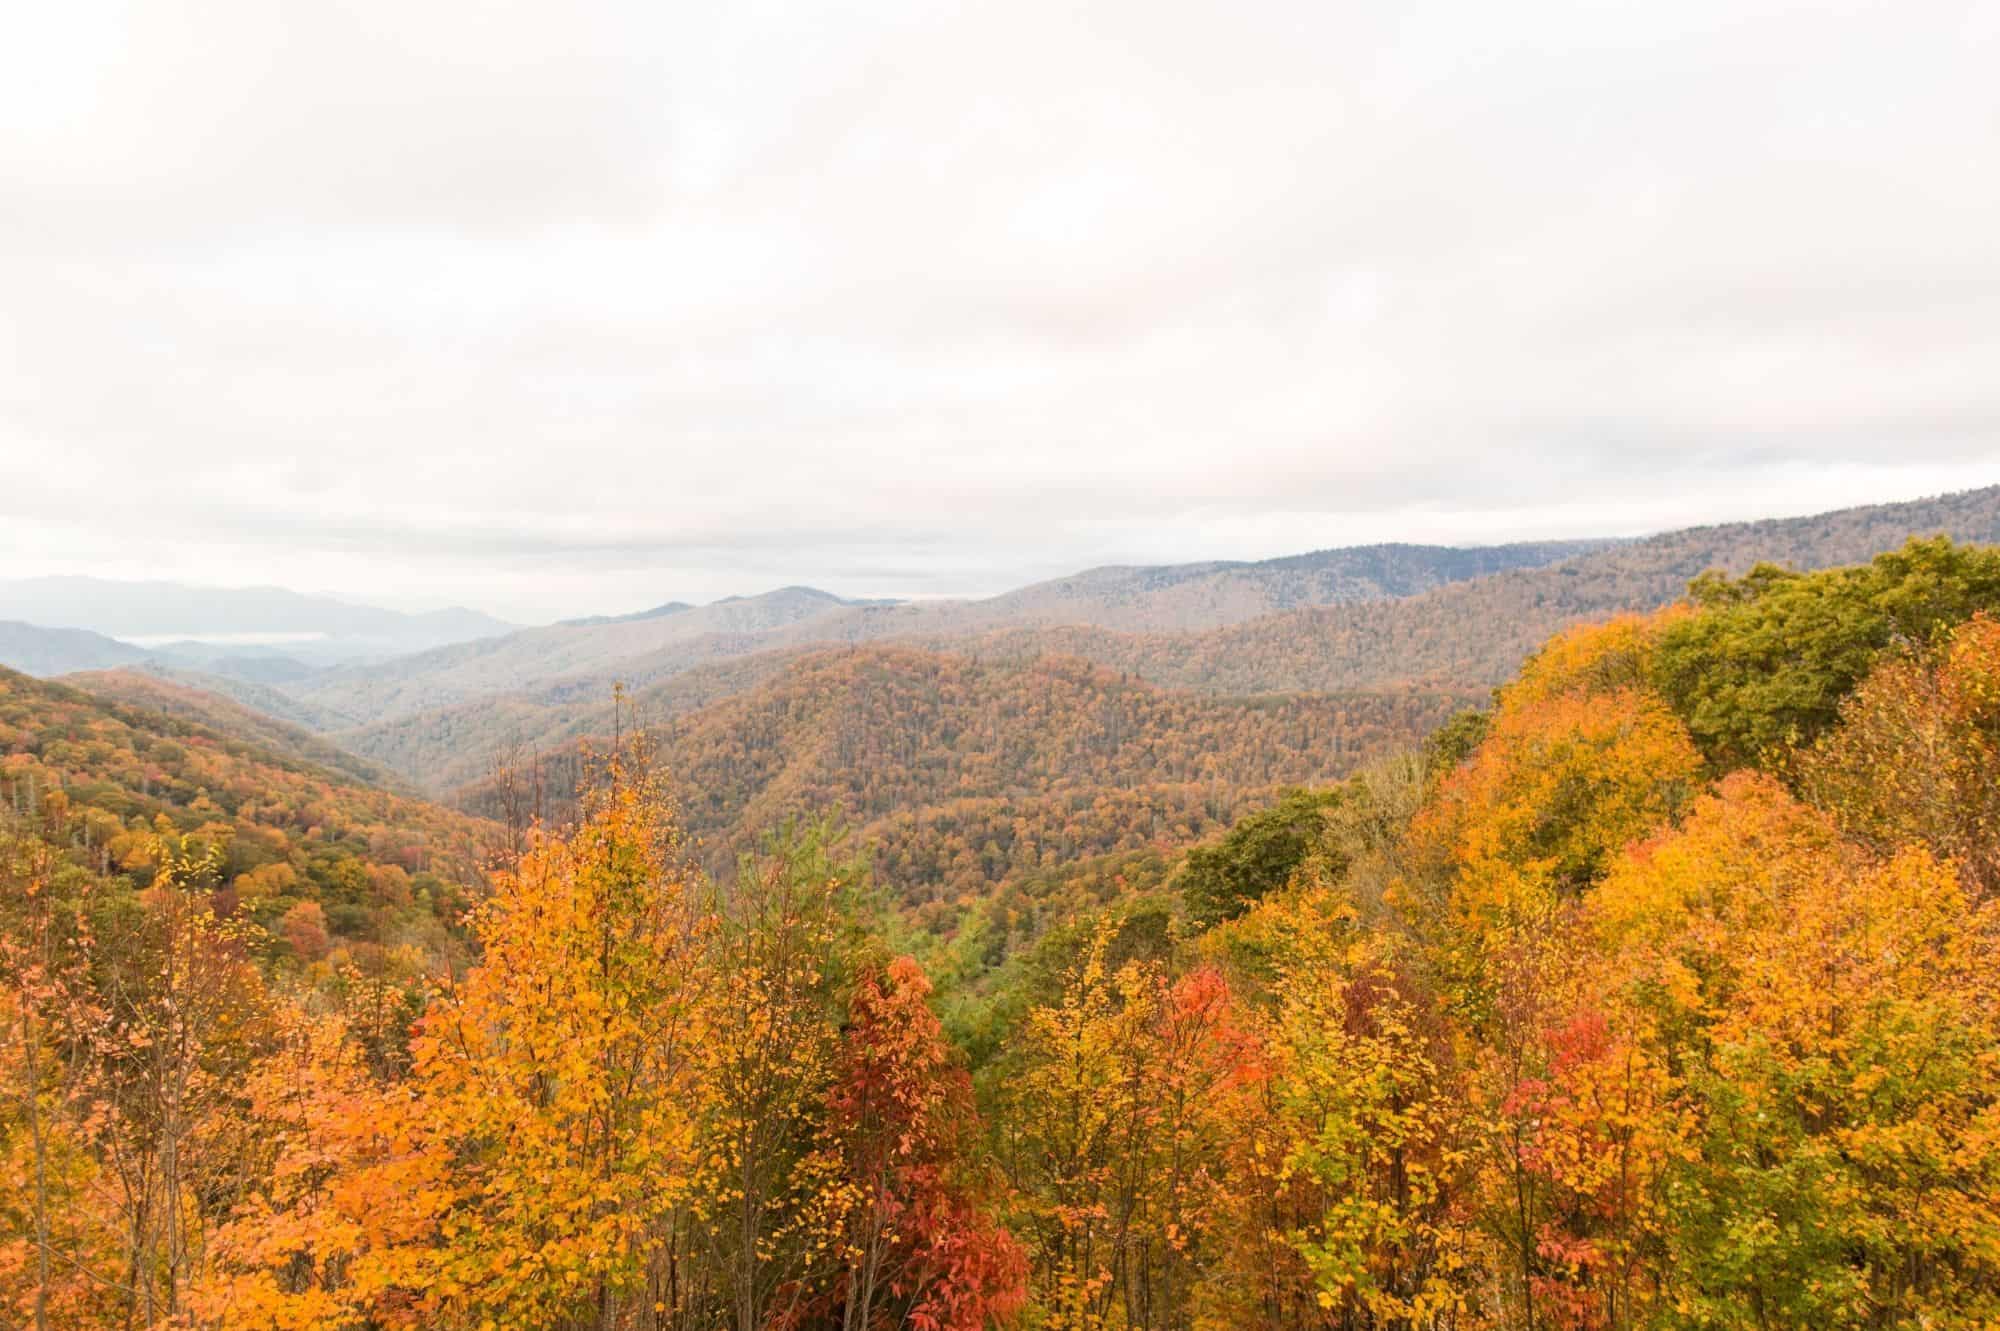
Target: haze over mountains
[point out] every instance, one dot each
(223, 623)
(37, 650)
(1448, 621)
(658, 645)
(1385, 640)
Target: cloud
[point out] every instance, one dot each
(569, 310)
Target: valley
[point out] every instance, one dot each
(1107, 946)
(1285, 672)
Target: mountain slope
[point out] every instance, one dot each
(961, 771)
(325, 628)
(448, 747)
(1473, 629)
(1476, 633)
(1188, 597)
(653, 645)
(106, 778)
(35, 650)
(364, 695)
(253, 694)
(440, 719)
(169, 697)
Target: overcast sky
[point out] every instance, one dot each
(566, 308)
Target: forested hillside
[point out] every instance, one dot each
(449, 748)
(298, 845)
(652, 645)
(1440, 619)
(961, 772)
(174, 697)
(586, 656)
(363, 695)
(1476, 633)
(1663, 994)
(1174, 598)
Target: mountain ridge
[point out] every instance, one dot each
(325, 628)
(35, 649)
(651, 647)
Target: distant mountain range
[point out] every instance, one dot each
(459, 673)
(587, 655)
(35, 650)
(1445, 621)
(1178, 598)
(242, 624)
(1475, 633)
(1452, 622)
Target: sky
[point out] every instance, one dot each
(564, 309)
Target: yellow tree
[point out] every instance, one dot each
(342, 1227)
(58, 1251)
(560, 1075)
(1117, 1128)
(185, 1016)
(1580, 759)
(1374, 1146)
(1063, 1114)
(1833, 1019)
(768, 1204)
(1916, 758)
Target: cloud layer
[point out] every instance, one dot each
(572, 309)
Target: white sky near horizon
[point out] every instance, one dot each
(559, 310)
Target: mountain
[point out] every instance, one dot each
(35, 650)
(286, 830)
(444, 748)
(657, 612)
(442, 718)
(141, 688)
(1680, 860)
(247, 662)
(654, 645)
(365, 694)
(961, 771)
(315, 628)
(247, 692)
(1476, 633)
(1185, 597)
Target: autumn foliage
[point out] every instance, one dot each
(1666, 994)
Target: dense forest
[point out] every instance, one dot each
(1338, 620)
(961, 772)
(312, 856)
(1661, 992)
(1346, 620)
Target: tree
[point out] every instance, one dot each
(1830, 1018)
(561, 1075)
(344, 1224)
(1376, 1144)
(919, 1246)
(185, 1017)
(1767, 660)
(1120, 1104)
(1916, 757)
(57, 1247)
(1533, 819)
(1256, 857)
(768, 1202)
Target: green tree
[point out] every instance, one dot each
(1255, 858)
(1769, 656)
